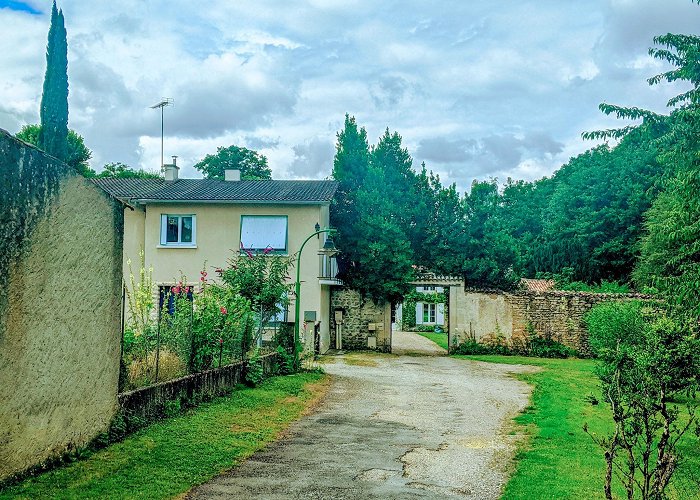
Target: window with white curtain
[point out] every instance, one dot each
(264, 232)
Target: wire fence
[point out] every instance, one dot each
(187, 337)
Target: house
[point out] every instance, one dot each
(429, 312)
(181, 224)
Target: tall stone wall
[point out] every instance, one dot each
(60, 308)
(365, 325)
(555, 314)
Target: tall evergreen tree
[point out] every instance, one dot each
(53, 137)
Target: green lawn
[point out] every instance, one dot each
(560, 460)
(170, 456)
(439, 338)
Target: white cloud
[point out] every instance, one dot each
(476, 89)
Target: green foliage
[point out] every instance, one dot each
(649, 368)
(120, 170)
(77, 155)
(53, 134)
(533, 344)
(261, 278)
(670, 250)
(169, 457)
(370, 212)
(253, 165)
(254, 373)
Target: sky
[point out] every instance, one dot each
(476, 89)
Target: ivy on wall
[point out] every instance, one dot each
(408, 319)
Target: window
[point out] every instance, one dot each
(178, 230)
(264, 232)
(166, 297)
(428, 313)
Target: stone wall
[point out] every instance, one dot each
(148, 402)
(60, 308)
(365, 325)
(555, 314)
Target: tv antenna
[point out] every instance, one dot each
(165, 101)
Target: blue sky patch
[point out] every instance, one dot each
(20, 6)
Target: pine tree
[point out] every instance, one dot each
(53, 137)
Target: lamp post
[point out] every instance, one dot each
(328, 249)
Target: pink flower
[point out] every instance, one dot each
(187, 289)
(221, 341)
(202, 278)
(223, 310)
(249, 253)
(176, 290)
(267, 250)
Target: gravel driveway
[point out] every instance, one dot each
(392, 426)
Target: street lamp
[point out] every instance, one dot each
(328, 249)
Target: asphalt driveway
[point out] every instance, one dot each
(392, 426)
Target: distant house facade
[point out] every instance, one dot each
(183, 224)
(429, 312)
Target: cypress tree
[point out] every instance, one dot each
(53, 137)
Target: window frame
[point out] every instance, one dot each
(274, 251)
(429, 313)
(178, 244)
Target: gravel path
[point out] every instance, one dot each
(392, 427)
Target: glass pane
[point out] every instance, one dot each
(426, 316)
(186, 230)
(172, 230)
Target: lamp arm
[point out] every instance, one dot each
(297, 286)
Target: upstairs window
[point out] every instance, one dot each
(264, 232)
(178, 230)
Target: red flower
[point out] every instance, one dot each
(223, 310)
(221, 341)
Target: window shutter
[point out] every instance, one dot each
(419, 313)
(440, 316)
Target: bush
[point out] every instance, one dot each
(530, 344)
(649, 367)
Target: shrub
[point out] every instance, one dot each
(254, 373)
(649, 367)
(528, 344)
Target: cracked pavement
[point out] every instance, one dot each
(392, 426)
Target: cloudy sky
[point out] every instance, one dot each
(477, 89)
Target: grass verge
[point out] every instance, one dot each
(171, 456)
(439, 338)
(559, 460)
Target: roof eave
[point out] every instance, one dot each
(230, 202)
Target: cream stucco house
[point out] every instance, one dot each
(182, 223)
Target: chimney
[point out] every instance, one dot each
(171, 170)
(232, 175)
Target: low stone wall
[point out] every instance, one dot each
(555, 314)
(365, 325)
(148, 403)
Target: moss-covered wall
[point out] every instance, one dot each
(60, 314)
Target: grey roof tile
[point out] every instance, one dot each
(210, 190)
